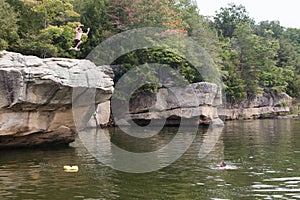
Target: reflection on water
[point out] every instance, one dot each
(139, 154)
(265, 152)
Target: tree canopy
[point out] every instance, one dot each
(8, 25)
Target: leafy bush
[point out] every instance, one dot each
(282, 104)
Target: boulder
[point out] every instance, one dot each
(36, 97)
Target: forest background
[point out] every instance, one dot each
(253, 57)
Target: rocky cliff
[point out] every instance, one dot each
(37, 107)
(37, 100)
(36, 97)
(263, 106)
(198, 102)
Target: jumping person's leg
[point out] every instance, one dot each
(77, 43)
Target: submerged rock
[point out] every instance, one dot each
(36, 97)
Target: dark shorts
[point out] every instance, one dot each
(76, 41)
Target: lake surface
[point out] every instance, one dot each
(264, 153)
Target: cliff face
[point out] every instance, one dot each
(266, 105)
(36, 97)
(36, 104)
(198, 101)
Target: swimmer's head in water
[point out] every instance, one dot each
(223, 164)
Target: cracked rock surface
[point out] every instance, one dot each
(36, 97)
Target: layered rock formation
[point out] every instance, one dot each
(36, 97)
(266, 105)
(37, 100)
(198, 101)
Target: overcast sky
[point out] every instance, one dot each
(285, 11)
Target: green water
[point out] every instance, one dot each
(265, 153)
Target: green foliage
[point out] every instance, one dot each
(189, 15)
(247, 44)
(46, 27)
(282, 104)
(129, 14)
(144, 56)
(227, 19)
(276, 79)
(293, 88)
(148, 75)
(289, 55)
(8, 25)
(97, 15)
(258, 57)
(295, 112)
(54, 12)
(235, 87)
(207, 38)
(274, 26)
(50, 42)
(29, 22)
(292, 38)
(35, 45)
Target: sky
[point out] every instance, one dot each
(287, 12)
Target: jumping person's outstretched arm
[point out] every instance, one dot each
(88, 30)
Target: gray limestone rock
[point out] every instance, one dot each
(36, 97)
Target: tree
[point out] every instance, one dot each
(174, 16)
(189, 14)
(227, 19)
(30, 23)
(290, 48)
(54, 12)
(8, 25)
(282, 75)
(50, 42)
(198, 28)
(46, 27)
(287, 53)
(258, 58)
(289, 57)
(128, 14)
(274, 26)
(246, 42)
(95, 14)
(235, 87)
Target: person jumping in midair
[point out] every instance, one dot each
(77, 39)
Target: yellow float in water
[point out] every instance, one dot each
(73, 168)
